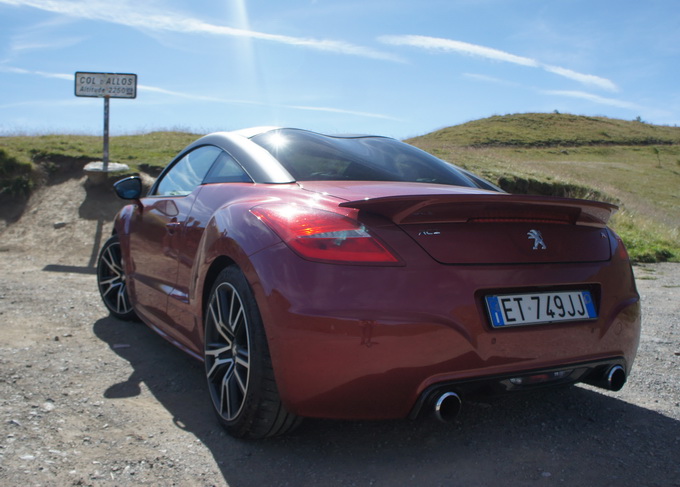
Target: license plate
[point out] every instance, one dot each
(536, 308)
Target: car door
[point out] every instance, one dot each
(216, 192)
(157, 229)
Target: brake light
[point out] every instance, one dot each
(618, 246)
(322, 235)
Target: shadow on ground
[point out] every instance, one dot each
(572, 436)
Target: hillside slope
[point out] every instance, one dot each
(553, 130)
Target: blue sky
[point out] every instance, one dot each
(391, 67)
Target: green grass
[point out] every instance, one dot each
(645, 240)
(153, 149)
(25, 160)
(629, 163)
(554, 129)
(15, 174)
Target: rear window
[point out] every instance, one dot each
(308, 156)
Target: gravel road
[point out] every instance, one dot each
(86, 399)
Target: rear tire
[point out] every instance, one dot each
(237, 362)
(111, 281)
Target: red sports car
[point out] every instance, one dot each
(358, 277)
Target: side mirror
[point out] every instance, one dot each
(129, 188)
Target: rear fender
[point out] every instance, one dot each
(232, 235)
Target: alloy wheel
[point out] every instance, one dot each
(111, 279)
(227, 351)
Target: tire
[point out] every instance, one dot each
(237, 363)
(111, 281)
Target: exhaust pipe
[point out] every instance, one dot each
(612, 379)
(447, 406)
(616, 378)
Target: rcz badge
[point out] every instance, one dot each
(538, 239)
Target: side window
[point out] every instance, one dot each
(187, 173)
(227, 170)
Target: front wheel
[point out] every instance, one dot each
(111, 280)
(237, 362)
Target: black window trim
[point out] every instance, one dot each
(179, 157)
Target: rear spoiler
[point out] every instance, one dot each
(461, 208)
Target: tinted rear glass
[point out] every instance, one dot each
(308, 156)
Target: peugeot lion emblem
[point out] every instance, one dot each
(538, 239)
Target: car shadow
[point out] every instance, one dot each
(575, 435)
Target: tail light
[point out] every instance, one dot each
(322, 235)
(618, 246)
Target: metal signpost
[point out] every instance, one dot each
(107, 86)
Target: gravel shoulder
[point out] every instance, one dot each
(86, 399)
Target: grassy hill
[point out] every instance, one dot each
(554, 130)
(631, 163)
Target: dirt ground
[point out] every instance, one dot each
(86, 399)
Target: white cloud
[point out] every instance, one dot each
(586, 79)
(188, 96)
(439, 44)
(135, 16)
(342, 111)
(41, 37)
(450, 45)
(595, 99)
(191, 96)
(43, 103)
(488, 79)
(10, 69)
(32, 45)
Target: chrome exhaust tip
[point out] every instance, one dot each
(616, 378)
(447, 406)
(611, 379)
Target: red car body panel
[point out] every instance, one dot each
(346, 356)
(365, 341)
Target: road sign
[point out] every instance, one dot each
(106, 85)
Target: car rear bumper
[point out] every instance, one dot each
(359, 342)
(607, 374)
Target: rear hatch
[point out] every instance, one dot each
(490, 228)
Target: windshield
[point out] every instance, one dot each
(308, 156)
